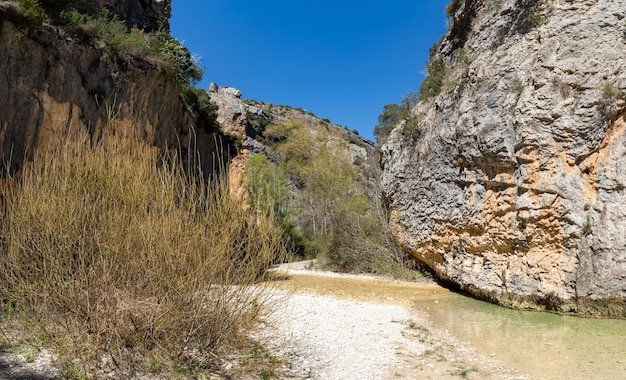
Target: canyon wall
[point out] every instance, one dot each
(246, 119)
(53, 85)
(511, 185)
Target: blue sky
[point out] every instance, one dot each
(342, 60)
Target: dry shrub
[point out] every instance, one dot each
(111, 256)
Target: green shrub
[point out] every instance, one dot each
(531, 15)
(611, 100)
(200, 103)
(587, 226)
(32, 10)
(276, 133)
(392, 115)
(533, 20)
(184, 67)
(268, 190)
(518, 86)
(341, 221)
(257, 121)
(109, 30)
(411, 128)
(433, 83)
(453, 7)
(158, 47)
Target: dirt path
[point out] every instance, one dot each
(332, 326)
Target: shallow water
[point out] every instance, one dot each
(541, 345)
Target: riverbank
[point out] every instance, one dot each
(340, 326)
(343, 326)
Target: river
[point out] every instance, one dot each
(538, 344)
(543, 345)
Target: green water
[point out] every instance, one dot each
(542, 345)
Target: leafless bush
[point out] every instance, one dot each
(110, 256)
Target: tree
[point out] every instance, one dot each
(393, 114)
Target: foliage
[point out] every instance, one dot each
(411, 127)
(461, 55)
(268, 187)
(108, 30)
(564, 89)
(531, 15)
(268, 191)
(340, 217)
(587, 226)
(279, 132)
(185, 68)
(518, 85)
(533, 20)
(110, 256)
(611, 100)
(393, 114)
(433, 83)
(453, 7)
(32, 10)
(387, 120)
(256, 120)
(206, 112)
(158, 47)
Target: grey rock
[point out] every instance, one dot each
(515, 190)
(230, 91)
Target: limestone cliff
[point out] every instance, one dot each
(512, 184)
(246, 119)
(53, 84)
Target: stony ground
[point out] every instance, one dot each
(335, 335)
(330, 337)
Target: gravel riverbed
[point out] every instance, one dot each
(328, 337)
(330, 326)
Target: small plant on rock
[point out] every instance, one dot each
(611, 100)
(587, 226)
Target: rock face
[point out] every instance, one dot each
(52, 86)
(513, 187)
(246, 119)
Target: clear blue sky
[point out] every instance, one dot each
(342, 60)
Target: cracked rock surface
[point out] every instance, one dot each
(514, 187)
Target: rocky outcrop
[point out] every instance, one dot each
(52, 86)
(513, 186)
(246, 119)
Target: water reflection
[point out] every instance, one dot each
(543, 345)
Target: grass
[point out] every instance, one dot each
(106, 255)
(587, 226)
(465, 372)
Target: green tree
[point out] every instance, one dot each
(267, 188)
(386, 121)
(393, 114)
(269, 192)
